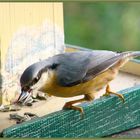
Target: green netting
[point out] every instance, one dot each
(103, 117)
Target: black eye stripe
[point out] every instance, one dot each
(35, 80)
(26, 88)
(54, 66)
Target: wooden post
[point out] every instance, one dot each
(29, 32)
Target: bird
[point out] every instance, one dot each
(71, 74)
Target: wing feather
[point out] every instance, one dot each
(79, 67)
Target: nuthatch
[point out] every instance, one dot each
(73, 74)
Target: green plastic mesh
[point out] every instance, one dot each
(105, 116)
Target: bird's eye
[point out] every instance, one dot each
(36, 80)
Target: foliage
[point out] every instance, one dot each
(103, 25)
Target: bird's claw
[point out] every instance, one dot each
(109, 92)
(121, 97)
(117, 94)
(70, 106)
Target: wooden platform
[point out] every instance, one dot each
(129, 76)
(124, 80)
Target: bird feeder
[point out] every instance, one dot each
(35, 33)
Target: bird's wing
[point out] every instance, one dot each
(79, 67)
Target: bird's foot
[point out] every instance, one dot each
(68, 105)
(109, 92)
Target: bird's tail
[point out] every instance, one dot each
(131, 54)
(125, 57)
(134, 54)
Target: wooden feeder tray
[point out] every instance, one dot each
(103, 117)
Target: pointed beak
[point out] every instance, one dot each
(25, 97)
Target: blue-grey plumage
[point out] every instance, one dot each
(71, 65)
(76, 73)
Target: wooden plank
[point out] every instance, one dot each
(29, 32)
(132, 67)
(103, 117)
(123, 81)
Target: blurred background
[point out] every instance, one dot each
(103, 25)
